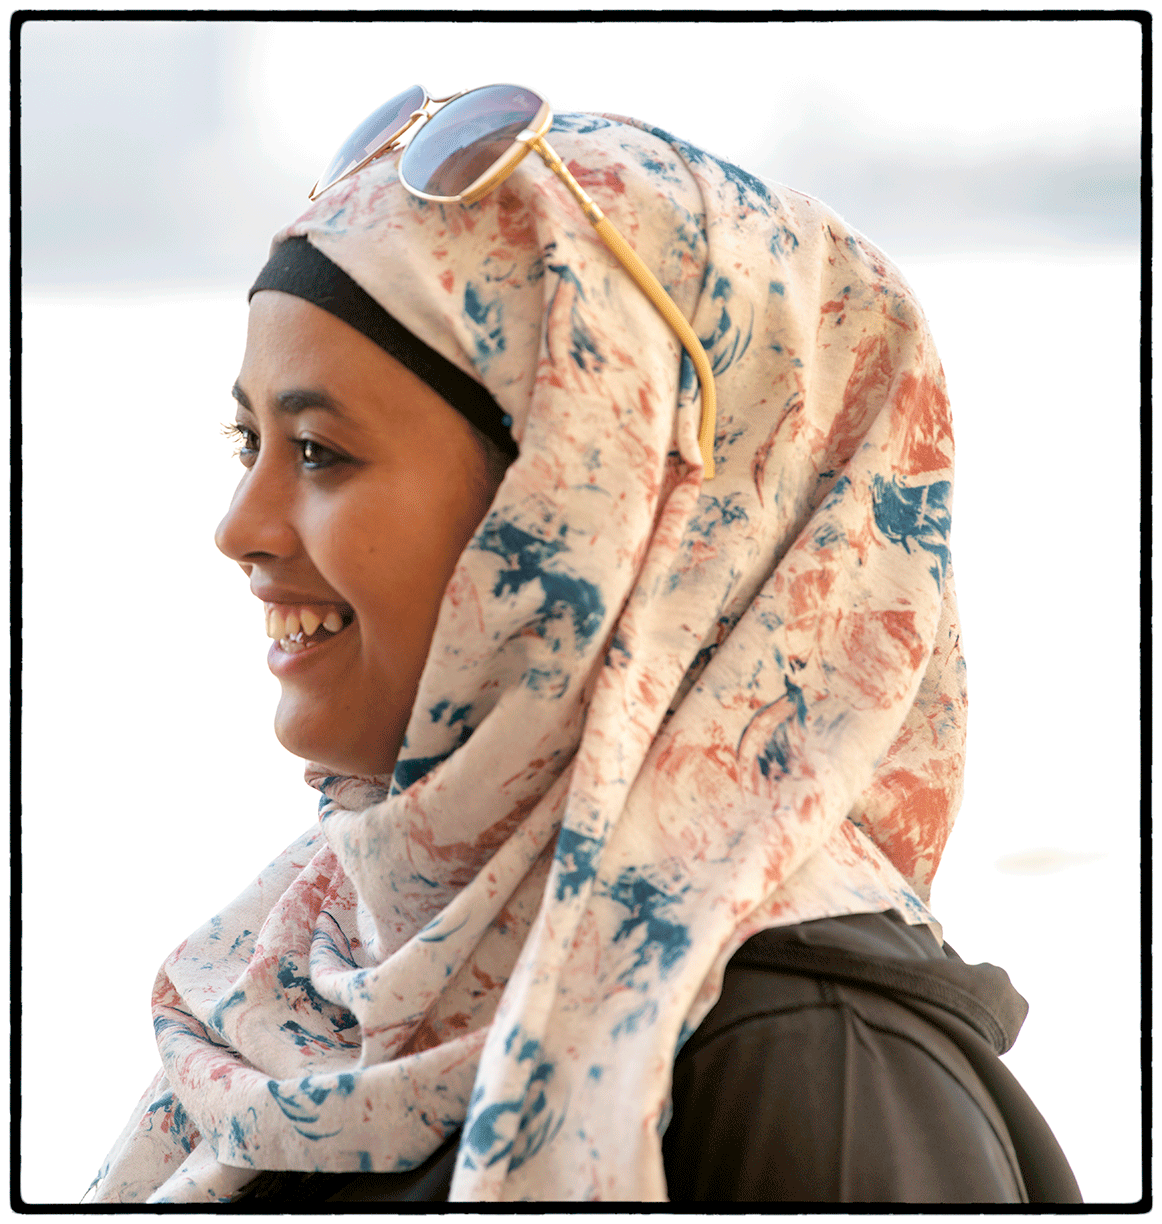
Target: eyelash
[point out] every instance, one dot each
(246, 447)
(240, 436)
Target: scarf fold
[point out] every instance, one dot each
(658, 714)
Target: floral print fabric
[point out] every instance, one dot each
(659, 713)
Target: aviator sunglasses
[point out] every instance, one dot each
(469, 143)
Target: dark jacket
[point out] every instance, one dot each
(847, 1060)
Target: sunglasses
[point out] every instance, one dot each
(464, 146)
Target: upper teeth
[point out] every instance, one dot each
(286, 622)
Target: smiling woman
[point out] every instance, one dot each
(634, 780)
(362, 488)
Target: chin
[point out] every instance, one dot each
(303, 739)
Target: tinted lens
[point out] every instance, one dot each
(461, 141)
(374, 132)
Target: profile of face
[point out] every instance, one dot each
(361, 489)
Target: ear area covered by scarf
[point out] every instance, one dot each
(658, 714)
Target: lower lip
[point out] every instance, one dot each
(287, 662)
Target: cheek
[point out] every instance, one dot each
(393, 567)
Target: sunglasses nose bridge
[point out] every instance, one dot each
(419, 118)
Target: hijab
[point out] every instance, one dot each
(659, 713)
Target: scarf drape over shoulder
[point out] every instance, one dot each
(658, 715)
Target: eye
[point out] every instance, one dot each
(315, 455)
(245, 441)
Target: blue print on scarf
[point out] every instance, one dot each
(782, 242)
(301, 1107)
(542, 680)
(163, 1025)
(408, 772)
(484, 1128)
(175, 1120)
(480, 1133)
(431, 933)
(324, 941)
(342, 1021)
(706, 653)
(290, 978)
(579, 123)
(777, 750)
(915, 515)
(838, 492)
(827, 535)
(581, 337)
(303, 1039)
(687, 374)
(240, 1133)
(234, 947)
(617, 647)
(661, 939)
(752, 191)
(576, 856)
(217, 1018)
(666, 171)
(495, 272)
(746, 184)
(795, 695)
(712, 515)
(412, 769)
(641, 1016)
(527, 557)
(689, 234)
(528, 1048)
(535, 1130)
(727, 343)
(485, 317)
(684, 1035)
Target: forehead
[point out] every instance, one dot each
(295, 347)
(286, 334)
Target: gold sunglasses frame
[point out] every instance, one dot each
(532, 138)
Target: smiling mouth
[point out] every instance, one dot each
(297, 628)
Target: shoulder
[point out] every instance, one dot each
(732, 1093)
(823, 1034)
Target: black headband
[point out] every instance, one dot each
(298, 268)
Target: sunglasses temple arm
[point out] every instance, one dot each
(651, 287)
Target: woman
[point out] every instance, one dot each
(633, 780)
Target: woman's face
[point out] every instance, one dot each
(362, 487)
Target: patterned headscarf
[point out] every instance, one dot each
(658, 715)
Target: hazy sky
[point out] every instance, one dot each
(172, 150)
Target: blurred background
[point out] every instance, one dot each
(997, 162)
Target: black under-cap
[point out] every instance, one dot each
(298, 268)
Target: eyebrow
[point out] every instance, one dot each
(289, 403)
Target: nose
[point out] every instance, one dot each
(257, 525)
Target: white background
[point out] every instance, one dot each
(994, 162)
